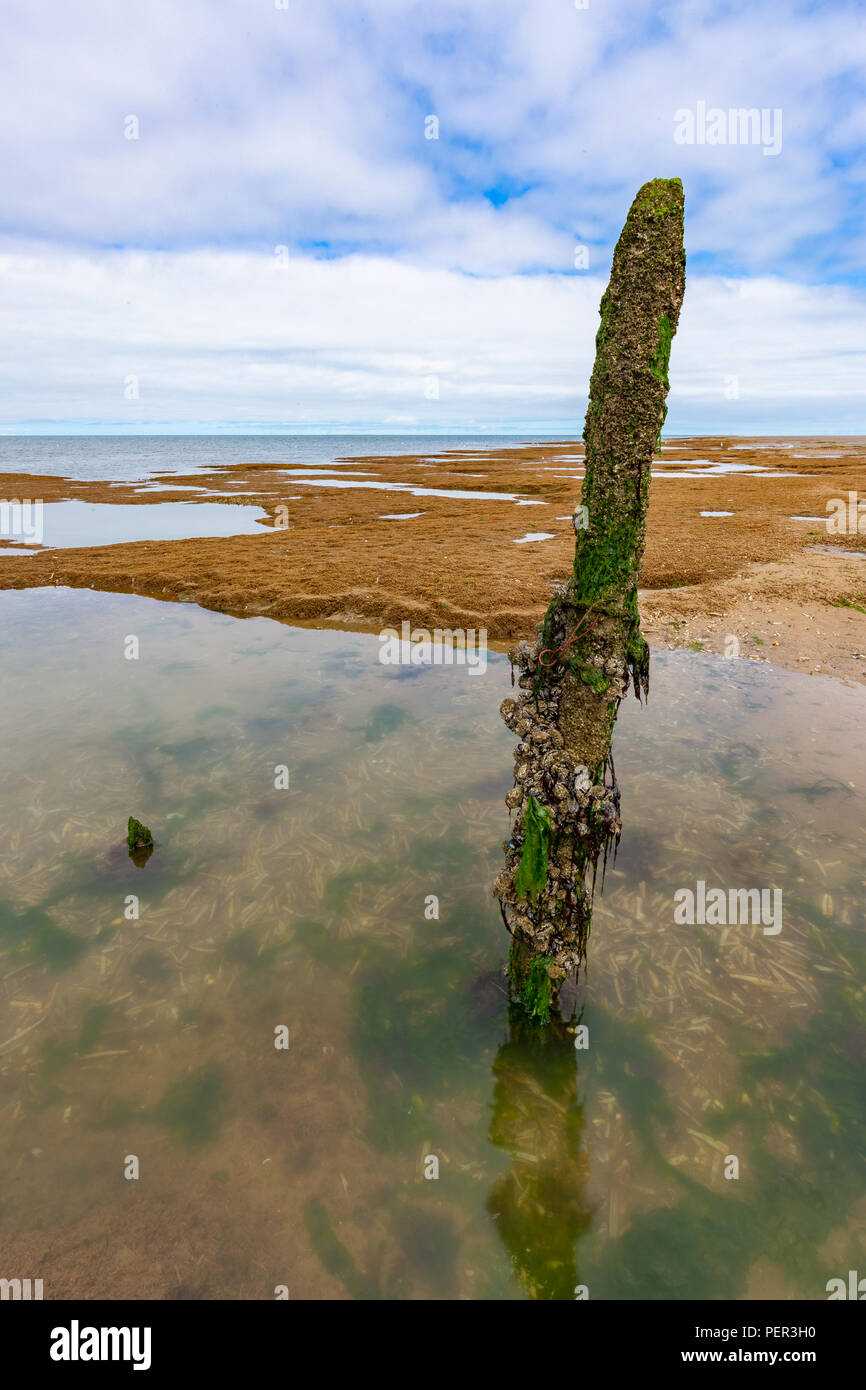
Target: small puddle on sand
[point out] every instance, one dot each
(145, 1024)
(329, 473)
(73, 524)
(838, 550)
(411, 488)
(164, 487)
(719, 468)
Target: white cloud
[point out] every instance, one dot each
(216, 335)
(305, 125)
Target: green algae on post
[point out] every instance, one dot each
(532, 874)
(589, 649)
(537, 991)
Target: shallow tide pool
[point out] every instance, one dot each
(312, 811)
(72, 523)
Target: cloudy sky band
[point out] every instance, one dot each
(305, 127)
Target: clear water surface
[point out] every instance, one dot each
(138, 1005)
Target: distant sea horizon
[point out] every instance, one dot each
(127, 458)
(130, 457)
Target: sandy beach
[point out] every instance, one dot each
(737, 545)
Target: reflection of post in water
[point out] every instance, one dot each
(539, 1205)
(589, 649)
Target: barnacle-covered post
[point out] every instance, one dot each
(589, 648)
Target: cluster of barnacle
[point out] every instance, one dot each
(584, 817)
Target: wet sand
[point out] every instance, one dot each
(757, 576)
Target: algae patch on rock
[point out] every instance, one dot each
(139, 841)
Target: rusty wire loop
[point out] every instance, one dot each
(554, 651)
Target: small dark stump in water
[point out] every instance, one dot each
(139, 842)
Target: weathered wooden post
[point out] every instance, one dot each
(589, 648)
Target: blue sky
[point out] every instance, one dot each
(281, 246)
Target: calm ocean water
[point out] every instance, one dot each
(261, 906)
(118, 459)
